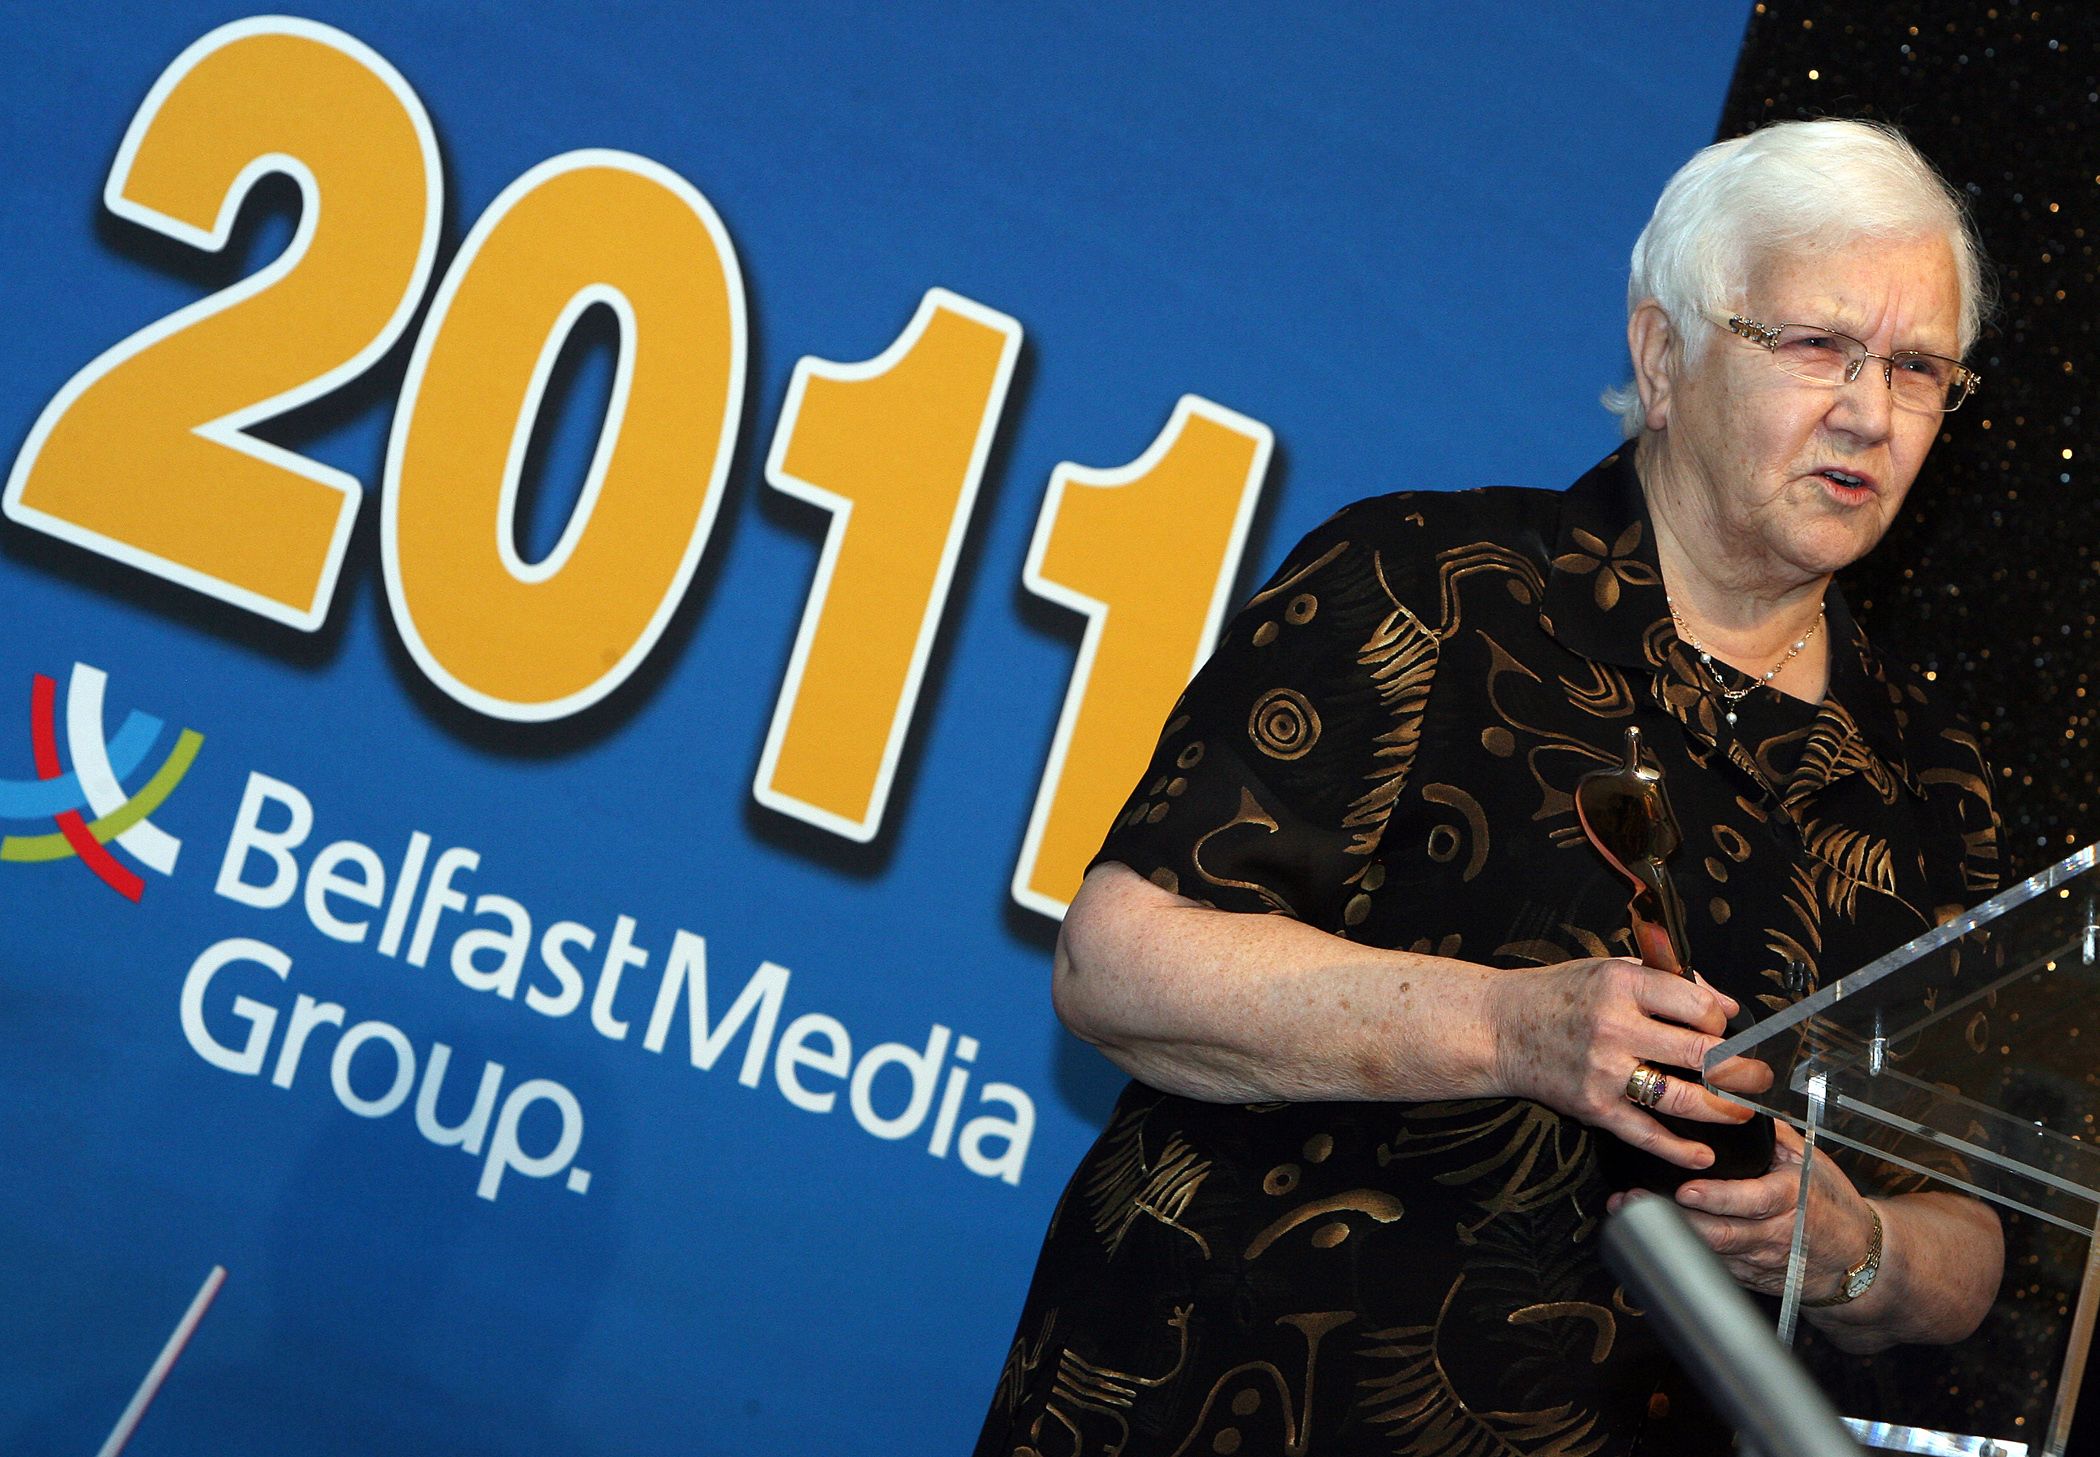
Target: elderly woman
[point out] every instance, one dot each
(1351, 1201)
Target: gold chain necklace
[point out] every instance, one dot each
(1732, 696)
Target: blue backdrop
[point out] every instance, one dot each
(1394, 234)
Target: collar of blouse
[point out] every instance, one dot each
(1604, 599)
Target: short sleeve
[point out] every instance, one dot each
(1278, 767)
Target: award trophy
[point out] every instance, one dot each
(1626, 816)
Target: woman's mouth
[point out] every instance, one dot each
(1847, 487)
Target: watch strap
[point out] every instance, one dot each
(1860, 1277)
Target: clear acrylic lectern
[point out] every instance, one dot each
(1967, 1062)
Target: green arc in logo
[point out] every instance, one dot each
(31, 848)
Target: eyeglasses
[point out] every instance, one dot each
(1918, 381)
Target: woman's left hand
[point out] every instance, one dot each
(1749, 1223)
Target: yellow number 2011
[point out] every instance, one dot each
(145, 457)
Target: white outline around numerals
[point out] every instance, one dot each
(609, 432)
(228, 430)
(601, 455)
(841, 510)
(1067, 474)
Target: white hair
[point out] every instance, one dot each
(1793, 186)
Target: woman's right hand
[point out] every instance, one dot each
(1570, 1035)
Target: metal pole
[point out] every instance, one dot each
(1718, 1336)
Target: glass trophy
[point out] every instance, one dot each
(1967, 1063)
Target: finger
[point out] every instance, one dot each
(1674, 999)
(1765, 1243)
(1728, 1004)
(1769, 1196)
(1633, 1126)
(1730, 1238)
(1624, 1197)
(1741, 1075)
(1668, 1045)
(1684, 1098)
(1755, 1251)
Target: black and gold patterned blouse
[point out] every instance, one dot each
(1385, 745)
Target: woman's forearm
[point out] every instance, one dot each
(1227, 1007)
(1943, 1255)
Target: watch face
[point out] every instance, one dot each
(1857, 1284)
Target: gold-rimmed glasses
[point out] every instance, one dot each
(1929, 383)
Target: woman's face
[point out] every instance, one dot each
(1781, 480)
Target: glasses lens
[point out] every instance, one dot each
(1817, 354)
(1926, 381)
(1919, 381)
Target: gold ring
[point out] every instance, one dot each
(1646, 1084)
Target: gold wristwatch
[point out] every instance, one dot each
(1860, 1276)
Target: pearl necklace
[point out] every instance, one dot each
(1732, 696)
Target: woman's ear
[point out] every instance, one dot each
(1653, 344)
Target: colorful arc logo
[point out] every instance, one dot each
(94, 784)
